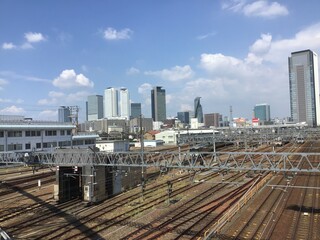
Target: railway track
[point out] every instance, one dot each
(99, 220)
(186, 213)
(280, 212)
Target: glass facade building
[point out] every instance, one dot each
(111, 103)
(135, 110)
(95, 107)
(124, 103)
(304, 87)
(64, 114)
(158, 104)
(262, 111)
(198, 110)
(184, 117)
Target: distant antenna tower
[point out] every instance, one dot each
(231, 118)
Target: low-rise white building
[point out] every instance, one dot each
(169, 137)
(25, 135)
(113, 145)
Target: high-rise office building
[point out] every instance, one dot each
(262, 111)
(198, 110)
(184, 117)
(95, 107)
(135, 110)
(158, 104)
(213, 120)
(111, 103)
(125, 106)
(304, 87)
(64, 114)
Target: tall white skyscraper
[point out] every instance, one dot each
(304, 87)
(110, 102)
(124, 103)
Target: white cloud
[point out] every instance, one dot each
(202, 37)
(12, 110)
(278, 50)
(145, 89)
(26, 45)
(174, 74)
(77, 97)
(2, 83)
(60, 98)
(262, 45)
(5, 100)
(133, 71)
(233, 5)
(8, 46)
(69, 79)
(31, 38)
(48, 114)
(54, 98)
(13, 75)
(34, 37)
(264, 9)
(113, 34)
(260, 8)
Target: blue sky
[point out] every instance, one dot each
(228, 52)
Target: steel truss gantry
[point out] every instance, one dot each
(248, 135)
(215, 161)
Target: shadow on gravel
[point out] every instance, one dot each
(54, 209)
(303, 209)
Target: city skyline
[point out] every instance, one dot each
(230, 53)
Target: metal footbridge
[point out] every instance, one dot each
(215, 161)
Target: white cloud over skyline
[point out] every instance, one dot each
(30, 37)
(260, 8)
(176, 73)
(69, 79)
(242, 62)
(33, 37)
(113, 34)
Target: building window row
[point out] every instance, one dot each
(49, 144)
(64, 144)
(15, 134)
(51, 133)
(1, 134)
(14, 147)
(33, 133)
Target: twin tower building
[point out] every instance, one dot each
(116, 104)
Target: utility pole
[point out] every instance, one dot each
(142, 156)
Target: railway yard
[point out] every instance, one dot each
(175, 204)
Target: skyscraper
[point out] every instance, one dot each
(183, 117)
(262, 111)
(198, 110)
(135, 110)
(95, 107)
(111, 103)
(304, 87)
(158, 104)
(213, 120)
(124, 103)
(64, 114)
